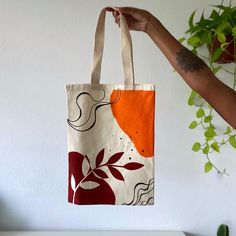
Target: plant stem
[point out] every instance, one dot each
(90, 172)
(219, 171)
(207, 124)
(222, 1)
(78, 185)
(234, 85)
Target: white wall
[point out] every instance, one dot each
(45, 44)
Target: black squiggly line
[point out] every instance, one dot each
(151, 182)
(105, 103)
(136, 203)
(85, 93)
(94, 122)
(145, 203)
(90, 113)
(75, 127)
(136, 194)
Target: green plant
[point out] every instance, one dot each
(223, 230)
(220, 25)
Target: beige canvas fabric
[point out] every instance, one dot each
(111, 133)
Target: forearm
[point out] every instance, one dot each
(222, 98)
(195, 72)
(188, 65)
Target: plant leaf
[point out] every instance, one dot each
(228, 130)
(207, 38)
(234, 31)
(193, 125)
(208, 167)
(206, 149)
(190, 21)
(210, 133)
(224, 8)
(221, 37)
(193, 40)
(214, 14)
(215, 147)
(232, 141)
(72, 182)
(196, 147)
(207, 119)
(190, 101)
(216, 54)
(181, 40)
(216, 69)
(133, 166)
(223, 229)
(212, 127)
(89, 185)
(194, 93)
(100, 157)
(221, 27)
(100, 173)
(116, 173)
(200, 113)
(114, 158)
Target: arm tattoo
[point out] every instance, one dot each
(188, 61)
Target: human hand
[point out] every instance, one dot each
(137, 19)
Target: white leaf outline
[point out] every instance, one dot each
(85, 167)
(72, 182)
(89, 185)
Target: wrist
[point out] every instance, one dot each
(152, 21)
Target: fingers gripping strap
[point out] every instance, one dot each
(126, 49)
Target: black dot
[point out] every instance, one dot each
(131, 149)
(120, 138)
(110, 150)
(130, 158)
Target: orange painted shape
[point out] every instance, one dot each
(134, 112)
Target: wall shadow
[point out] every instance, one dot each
(10, 220)
(190, 234)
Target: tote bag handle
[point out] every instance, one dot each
(126, 49)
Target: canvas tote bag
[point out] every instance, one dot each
(111, 133)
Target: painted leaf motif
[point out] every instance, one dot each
(100, 157)
(114, 158)
(89, 185)
(116, 173)
(133, 166)
(72, 182)
(101, 173)
(85, 167)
